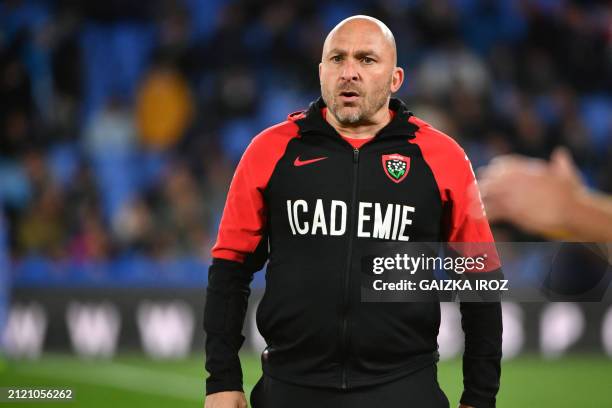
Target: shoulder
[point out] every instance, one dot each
(444, 156)
(273, 139)
(287, 129)
(434, 141)
(270, 144)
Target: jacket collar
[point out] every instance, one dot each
(312, 121)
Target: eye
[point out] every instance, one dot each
(336, 58)
(368, 60)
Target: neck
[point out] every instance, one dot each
(364, 130)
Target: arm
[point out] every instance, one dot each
(240, 251)
(226, 304)
(481, 321)
(546, 198)
(482, 325)
(591, 219)
(464, 221)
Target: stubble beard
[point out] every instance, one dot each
(360, 113)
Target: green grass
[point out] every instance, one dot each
(133, 381)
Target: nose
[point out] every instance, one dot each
(349, 71)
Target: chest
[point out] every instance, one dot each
(385, 188)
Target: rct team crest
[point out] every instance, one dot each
(396, 166)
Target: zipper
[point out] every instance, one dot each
(347, 272)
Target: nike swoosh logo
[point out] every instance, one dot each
(298, 162)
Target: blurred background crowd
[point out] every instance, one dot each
(121, 121)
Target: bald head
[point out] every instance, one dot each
(358, 71)
(364, 26)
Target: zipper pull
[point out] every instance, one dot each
(355, 155)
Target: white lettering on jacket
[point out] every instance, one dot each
(374, 220)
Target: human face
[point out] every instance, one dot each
(358, 72)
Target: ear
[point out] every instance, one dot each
(320, 67)
(397, 79)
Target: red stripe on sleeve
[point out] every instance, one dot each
(244, 216)
(465, 220)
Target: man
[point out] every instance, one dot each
(307, 196)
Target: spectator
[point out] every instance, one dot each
(164, 108)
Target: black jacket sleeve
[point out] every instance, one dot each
(469, 233)
(224, 313)
(482, 324)
(241, 249)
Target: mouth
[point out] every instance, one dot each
(349, 96)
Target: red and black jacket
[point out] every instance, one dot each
(297, 201)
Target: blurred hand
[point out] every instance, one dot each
(226, 399)
(535, 195)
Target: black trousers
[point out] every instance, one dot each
(417, 390)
